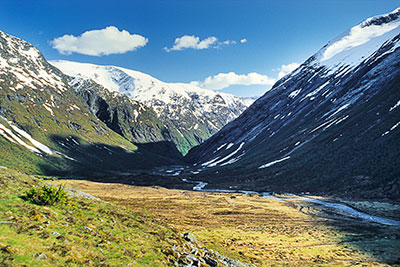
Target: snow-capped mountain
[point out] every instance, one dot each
(48, 127)
(332, 125)
(129, 118)
(190, 113)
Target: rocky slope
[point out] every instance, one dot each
(47, 127)
(191, 114)
(129, 118)
(331, 126)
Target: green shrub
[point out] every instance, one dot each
(46, 195)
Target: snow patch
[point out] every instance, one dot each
(229, 146)
(48, 109)
(33, 141)
(75, 106)
(273, 162)
(231, 161)
(322, 125)
(316, 91)
(345, 106)
(209, 162)
(395, 106)
(359, 43)
(135, 114)
(216, 161)
(357, 36)
(200, 186)
(9, 135)
(294, 93)
(221, 146)
(395, 126)
(342, 119)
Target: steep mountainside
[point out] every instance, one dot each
(190, 113)
(129, 118)
(46, 127)
(331, 126)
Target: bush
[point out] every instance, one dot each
(46, 195)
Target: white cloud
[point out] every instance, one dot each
(223, 80)
(357, 36)
(244, 40)
(229, 42)
(191, 41)
(194, 42)
(106, 41)
(286, 69)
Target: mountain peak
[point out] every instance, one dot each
(24, 62)
(15, 46)
(192, 114)
(382, 19)
(360, 42)
(332, 121)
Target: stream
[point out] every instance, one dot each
(199, 186)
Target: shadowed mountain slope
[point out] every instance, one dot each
(331, 126)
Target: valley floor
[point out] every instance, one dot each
(264, 231)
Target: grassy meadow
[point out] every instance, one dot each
(258, 230)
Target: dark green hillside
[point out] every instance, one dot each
(39, 108)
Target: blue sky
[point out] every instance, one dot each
(276, 33)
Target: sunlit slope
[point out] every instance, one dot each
(38, 108)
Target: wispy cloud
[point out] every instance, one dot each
(223, 80)
(191, 41)
(229, 42)
(107, 41)
(194, 42)
(286, 69)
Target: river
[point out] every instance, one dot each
(199, 186)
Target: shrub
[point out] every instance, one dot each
(46, 195)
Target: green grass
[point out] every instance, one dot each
(91, 145)
(77, 232)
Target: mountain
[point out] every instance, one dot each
(129, 118)
(49, 127)
(331, 126)
(191, 114)
(249, 99)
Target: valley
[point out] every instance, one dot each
(104, 165)
(263, 231)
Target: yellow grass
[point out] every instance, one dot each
(253, 229)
